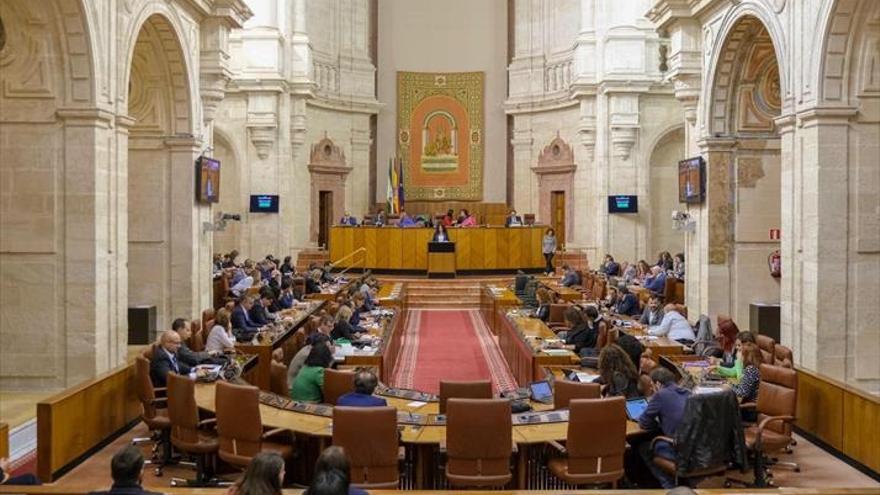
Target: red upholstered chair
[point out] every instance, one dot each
(783, 356)
(188, 434)
(478, 389)
(595, 444)
(369, 437)
(240, 426)
(479, 441)
(336, 384)
(154, 417)
(565, 391)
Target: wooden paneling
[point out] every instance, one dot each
(820, 409)
(484, 248)
(73, 422)
(861, 430)
(841, 416)
(4, 440)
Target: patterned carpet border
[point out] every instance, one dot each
(502, 377)
(405, 369)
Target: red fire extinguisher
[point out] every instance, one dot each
(774, 263)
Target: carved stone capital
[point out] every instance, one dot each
(263, 138)
(622, 141)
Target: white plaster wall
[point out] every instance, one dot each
(662, 196)
(449, 36)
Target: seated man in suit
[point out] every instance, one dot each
(610, 267)
(627, 303)
(570, 276)
(259, 312)
(653, 313)
(127, 469)
(513, 220)
(287, 298)
(664, 412)
(406, 220)
(347, 219)
(166, 359)
(657, 281)
(242, 324)
(188, 356)
(365, 383)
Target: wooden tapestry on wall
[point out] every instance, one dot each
(440, 135)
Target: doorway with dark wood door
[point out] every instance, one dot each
(557, 212)
(325, 218)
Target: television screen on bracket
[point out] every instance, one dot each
(692, 180)
(207, 180)
(623, 204)
(264, 203)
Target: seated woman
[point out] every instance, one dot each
(448, 219)
(599, 327)
(612, 298)
(732, 366)
(465, 219)
(747, 388)
(617, 373)
(544, 301)
(343, 328)
(309, 383)
(643, 271)
(220, 339)
(580, 334)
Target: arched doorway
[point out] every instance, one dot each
(744, 171)
(663, 194)
(164, 232)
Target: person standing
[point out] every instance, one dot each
(548, 248)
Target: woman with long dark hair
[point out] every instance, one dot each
(617, 373)
(263, 476)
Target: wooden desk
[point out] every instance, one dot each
(661, 346)
(495, 302)
(393, 295)
(563, 294)
(520, 339)
(263, 348)
(476, 249)
(384, 357)
(4, 440)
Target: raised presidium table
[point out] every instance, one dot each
(477, 249)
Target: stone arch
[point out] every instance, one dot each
(662, 190)
(727, 42)
(48, 53)
(163, 244)
(746, 88)
(165, 31)
(849, 47)
(232, 191)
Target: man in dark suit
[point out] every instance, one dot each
(127, 468)
(184, 353)
(513, 220)
(259, 312)
(166, 360)
(365, 383)
(241, 320)
(663, 415)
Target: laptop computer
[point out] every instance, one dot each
(635, 408)
(541, 392)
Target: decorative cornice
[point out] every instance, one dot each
(369, 107)
(86, 116)
(826, 115)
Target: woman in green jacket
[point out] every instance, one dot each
(309, 383)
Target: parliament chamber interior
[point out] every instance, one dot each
(256, 247)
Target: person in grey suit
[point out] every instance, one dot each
(188, 356)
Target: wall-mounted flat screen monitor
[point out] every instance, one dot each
(692, 180)
(623, 204)
(207, 180)
(264, 203)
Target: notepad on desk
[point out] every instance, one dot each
(416, 404)
(556, 352)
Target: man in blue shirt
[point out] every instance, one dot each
(406, 220)
(570, 276)
(657, 281)
(664, 413)
(347, 219)
(365, 383)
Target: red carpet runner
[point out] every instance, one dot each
(449, 345)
